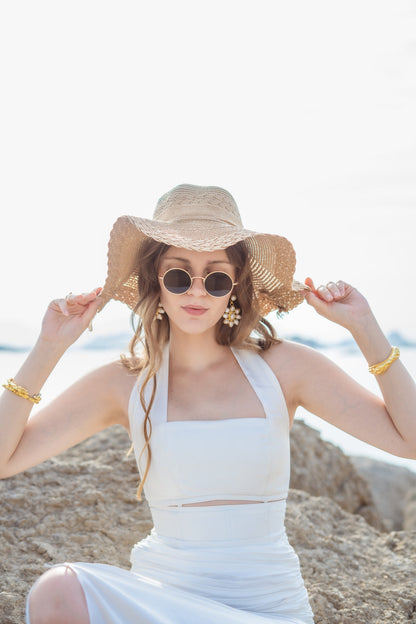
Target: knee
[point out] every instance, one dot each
(57, 596)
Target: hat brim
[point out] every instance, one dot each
(272, 258)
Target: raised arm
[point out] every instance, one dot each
(389, 424)
(313, 381)
(94, 402)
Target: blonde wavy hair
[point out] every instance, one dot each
(153, 334)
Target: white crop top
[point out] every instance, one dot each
(203, 460)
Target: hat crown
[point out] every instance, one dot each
(198, 203)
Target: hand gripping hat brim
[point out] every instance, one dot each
(202, 218)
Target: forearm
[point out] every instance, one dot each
(397, 385)
(15, 410)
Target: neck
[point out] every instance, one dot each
(194, 352)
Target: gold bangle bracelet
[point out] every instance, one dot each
(379, 369)
(21, 391)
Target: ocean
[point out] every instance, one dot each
(78, 361)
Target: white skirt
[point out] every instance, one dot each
(225, 563)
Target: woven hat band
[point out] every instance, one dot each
(204, 218)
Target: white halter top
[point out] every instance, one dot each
(202, 460)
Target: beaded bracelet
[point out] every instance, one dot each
(21, 391)
(379, 369)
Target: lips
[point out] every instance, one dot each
(194, 310)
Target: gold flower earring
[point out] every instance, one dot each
(232, 314)
(160, 310)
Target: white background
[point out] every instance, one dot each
(305, 111)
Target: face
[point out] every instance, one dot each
(194, 311)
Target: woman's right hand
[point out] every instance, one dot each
(66, 319)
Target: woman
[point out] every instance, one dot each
(208, 404)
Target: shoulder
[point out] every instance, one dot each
(120, 375)
(288, 354)
(295, 360)
(117, 382)
(116, 373)
(294, 365)
(298, 366)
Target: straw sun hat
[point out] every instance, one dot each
(202, 218)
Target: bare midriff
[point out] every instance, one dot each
(223, 502)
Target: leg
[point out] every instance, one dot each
(58, 597)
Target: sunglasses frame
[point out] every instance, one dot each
(162, 277)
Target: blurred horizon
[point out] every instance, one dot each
(22, 339)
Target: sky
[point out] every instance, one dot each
(304, 111)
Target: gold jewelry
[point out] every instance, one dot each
(232, 314)
(21, 391)
(160, 310)
(67, 296)
(379, 369)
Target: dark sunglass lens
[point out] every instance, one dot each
(218, 284)
(177, 281)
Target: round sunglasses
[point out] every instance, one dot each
(179, 281)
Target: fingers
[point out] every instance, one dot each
(76, 304)
(82, 299)
(61, 303)
(309, 282)
(332, 291)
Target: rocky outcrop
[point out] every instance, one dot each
(393, 489)
(322, 469)
(81, 506)
(354, 573)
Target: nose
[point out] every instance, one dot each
(197, 287)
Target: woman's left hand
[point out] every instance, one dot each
(339, 302)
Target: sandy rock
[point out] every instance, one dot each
(322, 469)
(81, 506)
(393, 489)
(409, 518)
(354, 574)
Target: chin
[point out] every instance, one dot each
(193, 328)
